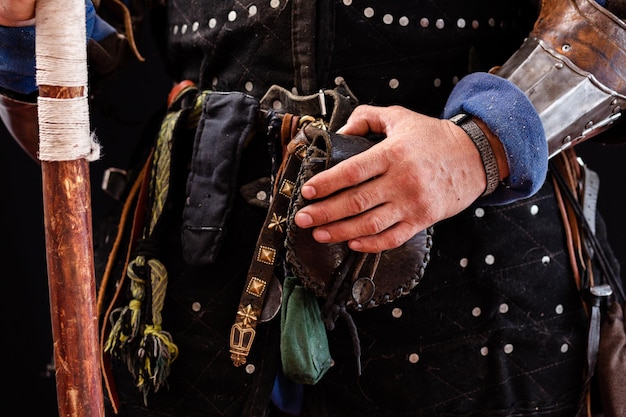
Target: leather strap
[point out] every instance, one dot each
(579, 185)
(269, 244)
(136, 201)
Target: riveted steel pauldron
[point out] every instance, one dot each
(572, 67)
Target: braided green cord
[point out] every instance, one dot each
(160, 176)
(129, 317)
(149, 360)
(157, 350)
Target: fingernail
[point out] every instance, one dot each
(355, 245)
(308, 192)
(321, 235)
(303, 219)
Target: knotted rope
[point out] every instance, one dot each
(137, 336)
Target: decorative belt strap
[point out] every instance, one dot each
(269, 244)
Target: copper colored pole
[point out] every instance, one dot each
(71, 276)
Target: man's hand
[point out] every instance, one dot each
(14, 13)
(424, 171)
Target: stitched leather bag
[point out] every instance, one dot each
(348, 280)
(345, 280)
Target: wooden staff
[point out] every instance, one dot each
(65, 149)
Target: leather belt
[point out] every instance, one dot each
(269, 243)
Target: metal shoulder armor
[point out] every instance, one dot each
(572, 67)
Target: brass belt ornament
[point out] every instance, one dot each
(269, 243)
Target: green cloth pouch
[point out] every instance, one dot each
(303, 343)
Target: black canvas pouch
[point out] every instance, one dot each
(227, 121)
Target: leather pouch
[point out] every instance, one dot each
(345, 278)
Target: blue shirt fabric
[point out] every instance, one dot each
(511, 116)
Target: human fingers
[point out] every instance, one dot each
(16, 13)
(348, 177)
(375, 230)
(426, 177)
(363, 120)
(390, 238)
(355, 212)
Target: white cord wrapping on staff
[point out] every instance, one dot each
(61, 60)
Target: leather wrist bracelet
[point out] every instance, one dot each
(465, 122)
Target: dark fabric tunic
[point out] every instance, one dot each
(495, 328)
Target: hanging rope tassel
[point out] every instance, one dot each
(136, 335)
(126, 320)
(156, 350)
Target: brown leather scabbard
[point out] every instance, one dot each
(20, 119)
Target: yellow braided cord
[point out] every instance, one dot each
(157, 350)
(149, 358)
(158, 279)
(138, 291)
(115, 335)
(196, 112)
(161, 168)
(125, 328)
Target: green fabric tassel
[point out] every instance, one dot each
(303, 342)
